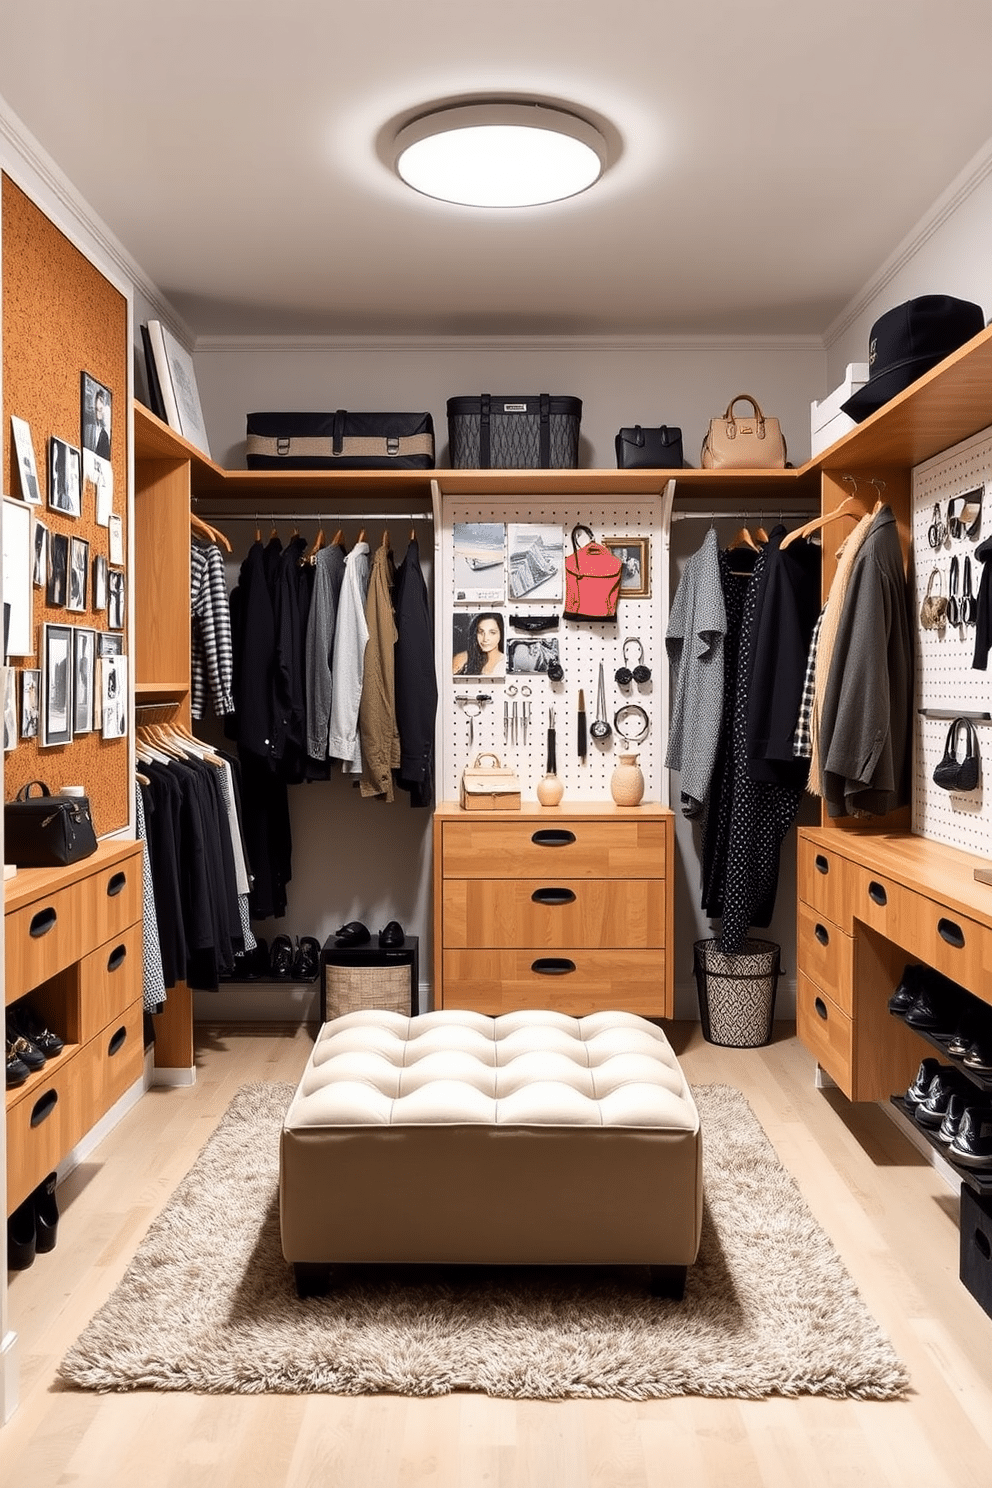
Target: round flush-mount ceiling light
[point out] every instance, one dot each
(500, 154)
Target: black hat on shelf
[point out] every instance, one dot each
(907, 341)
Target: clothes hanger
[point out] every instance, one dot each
(849, 507)
(361, 535)
(213, 534)
(337, 541)
(743, 539)
(761, 536)
(385, 538)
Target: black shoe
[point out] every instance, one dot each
(352, 934)
(948, 1128)
(307, 962)
(260, 958)
(979, 1056)
(281, 958)
(21, 1241)
(935, 1008)
(918, 1090)
(33, 1028)
(973, 1024)
(17, 1070)
(946, 1082)
(394, 935)
(905, 994)
(25, 1050)
(972, 1144)
(46, 1214)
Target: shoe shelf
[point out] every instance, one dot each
(980, 1081)
(979, 1180)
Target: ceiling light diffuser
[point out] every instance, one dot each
(500, 154)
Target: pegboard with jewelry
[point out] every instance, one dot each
(952, 546)
(551, 641)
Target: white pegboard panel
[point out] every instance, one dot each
(582, 646)
(945, 679)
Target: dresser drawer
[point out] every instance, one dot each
(825, 881)
(109, 981)
(110, 1063)
(958, 947)
(827, 1032)
(43, 1123)
(573, 981)
(825, 953)
(553, 912)
(567, 848)
(112, 900)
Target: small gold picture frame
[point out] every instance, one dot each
(635, 555)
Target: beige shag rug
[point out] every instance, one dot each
(209, 1304)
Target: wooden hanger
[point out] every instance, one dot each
(743, 539)
(385, 538)
(849, 507)
(361, 536)
(761, 536)
(213, 534)
(337, 541)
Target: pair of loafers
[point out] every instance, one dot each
(33, 1227)
(357, 934)
(299, 963)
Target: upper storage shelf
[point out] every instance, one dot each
(947, 405)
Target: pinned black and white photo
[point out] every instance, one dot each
(480, 562)
(100, 582)
(27, 469)
(57, 685)
(64, 478)
(532, 654)
(98, 477)
(113, 676)
(536, 560)
(58, 569)
(96, 402)
(30, 702)
(18, 593)
(84, 661)
(9, 708)
(116, 525)
(115, 599)
(79, 568)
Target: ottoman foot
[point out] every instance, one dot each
(312, 1278)
(668, 1281)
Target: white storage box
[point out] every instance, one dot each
(826, 422)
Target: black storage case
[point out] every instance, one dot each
(976, 1246)
(340, 441)
(499, 431)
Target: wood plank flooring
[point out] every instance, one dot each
(892, 1217)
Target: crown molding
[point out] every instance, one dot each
(974, 174)
(221, 345)
(29, 166)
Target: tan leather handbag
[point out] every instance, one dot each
(752, 442)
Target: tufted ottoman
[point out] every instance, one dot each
(532, 1138)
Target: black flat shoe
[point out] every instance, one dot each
(33, 1028)
(352, 934)
(46, 1214)
(307, 963)
(281, 958)
(17, 1070)
(393, 935)
(21, 1241)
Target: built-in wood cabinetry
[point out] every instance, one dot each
(74, 953)
(569, 908)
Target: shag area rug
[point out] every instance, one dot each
(209, 1304)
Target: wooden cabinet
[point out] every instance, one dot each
(73, 951)
(569, 910)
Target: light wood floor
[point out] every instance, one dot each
(893, 1218)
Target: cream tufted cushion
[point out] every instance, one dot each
(528, 1137)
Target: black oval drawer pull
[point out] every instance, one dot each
(876, 893)
(820, 863)
(44, 1106)
(117, 1042)
(552, 966)
(553, 837)
(117, 958)
(821, 1008)
(953, 934)
(116, 885)
(822, 934)
(43, 921)
(553, 896)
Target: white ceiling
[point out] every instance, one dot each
(770, 154)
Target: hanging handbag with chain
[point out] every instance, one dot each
(751, 442)
(953, 774)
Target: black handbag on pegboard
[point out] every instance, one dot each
(641, 448)
(497, 431)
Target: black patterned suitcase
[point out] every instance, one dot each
(499, 432)
(340, 441)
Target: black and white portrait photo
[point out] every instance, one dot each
(9, 708)
(115, 599)
(96, 405)
(79, 567)
(100, 582)
(40, 554)
(26, 467)
(114, 700)
(30, 702)
(58, 568)
(98, 478)
(64, 478)
(57, 699)
(84, 658)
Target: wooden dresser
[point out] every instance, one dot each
(74, 951)
(569, 909)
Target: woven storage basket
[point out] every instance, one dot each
(737, 992)
(353, 989)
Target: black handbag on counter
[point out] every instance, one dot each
(649, 449)
(953, 774)
(47, 831)
(340, 441)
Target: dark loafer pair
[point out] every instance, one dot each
(392, 936)
(307, 963)
(352, 934)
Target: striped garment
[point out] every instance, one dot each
(212, 652)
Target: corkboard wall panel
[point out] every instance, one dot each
(61, 318)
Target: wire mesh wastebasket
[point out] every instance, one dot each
(737, 991)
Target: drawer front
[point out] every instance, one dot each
(112, 900)
(618, 848)
(554, 912)
(109, 981)
(42, 1125)
(826, 955)
(958, 947)
(42, 939)
(826, 1031)
(825, 881)
(574, 981)
(109, 1064)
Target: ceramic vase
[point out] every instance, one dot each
(550, 790)
(627, 782)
